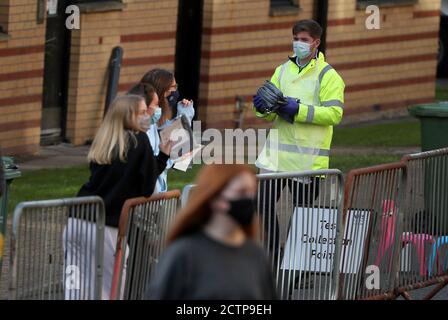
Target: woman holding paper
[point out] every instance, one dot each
(166, 95)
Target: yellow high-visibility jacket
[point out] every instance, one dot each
(304, 144)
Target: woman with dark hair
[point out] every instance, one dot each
(167, 96)
(148, 92)
(166, 88)
(212, 249)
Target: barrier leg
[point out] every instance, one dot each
(439, 287)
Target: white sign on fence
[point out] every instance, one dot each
(312, 236)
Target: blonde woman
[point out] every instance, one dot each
(122, 166)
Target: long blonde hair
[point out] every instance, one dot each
(116, 131)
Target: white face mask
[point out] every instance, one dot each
(301, 49)
(157, 115)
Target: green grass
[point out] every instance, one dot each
(65, 182)
(346, 163)
(179, 179)
(398, 134)
(47, 184)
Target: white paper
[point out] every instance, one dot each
(183, 162)
(175, 132)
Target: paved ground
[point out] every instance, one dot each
(65, 155)
(57, 156)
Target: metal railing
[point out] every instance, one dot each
(57, 249)
(144, 223)
(300, 226)
(373, 209)
(186, 194)
(424, 259)
(378, 236)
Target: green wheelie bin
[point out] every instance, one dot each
(434, 135)
(434, 124)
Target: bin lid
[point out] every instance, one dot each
(439, 110)
(10, 168)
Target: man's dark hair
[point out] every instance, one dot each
(144, 90)
(310, 26)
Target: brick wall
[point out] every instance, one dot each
(242, 44)
(146, 29)
(21, 77)
(387, 68)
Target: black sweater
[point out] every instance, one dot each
(119, 181)
(196, 267)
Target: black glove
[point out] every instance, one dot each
(271, 96)
(275, 101)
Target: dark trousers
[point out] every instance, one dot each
(303, 194)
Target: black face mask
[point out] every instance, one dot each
(173, 98)
(242, 210)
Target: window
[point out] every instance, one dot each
(362, 4)
(284, 3)
(284, 7)
(90, 1)
(98, 5)
(280, 3)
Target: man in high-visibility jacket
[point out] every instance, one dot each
(304, 126)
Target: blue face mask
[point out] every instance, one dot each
(301, 49)
(156, 116)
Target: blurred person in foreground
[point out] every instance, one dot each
(212, 251)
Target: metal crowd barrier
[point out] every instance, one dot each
(186, 193)
(57, 249)
(373, 211)
(424, 259)
(144, 223)
(300, 218)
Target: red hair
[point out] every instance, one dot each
(211, 180)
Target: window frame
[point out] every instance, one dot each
(283, 7)
(363, 4)
(86, 6)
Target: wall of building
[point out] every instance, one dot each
(21, 76)
(388, 69)
(241, 46)
(385, 70)
(145, 29)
